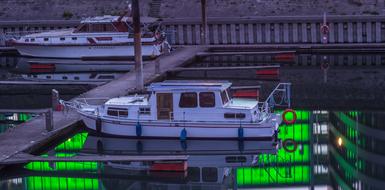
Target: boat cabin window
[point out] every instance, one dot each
(236, 159)
(74, 38)
(26, 40)
(194, 174)
(32, 39)
(224, 97)
(62, 39)
(207, 99)
(120, 112)
(45, 39)
(76, 78)
(145, 111)
(188, 100)
(65, 77)
(106, 77)
(82, 28)
(209, 174)
(100, 27)
(234, 115)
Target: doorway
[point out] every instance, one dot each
(164, 105)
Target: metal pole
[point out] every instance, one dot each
(204, 22)
(137, 45)
(49, 120)
(55, 99)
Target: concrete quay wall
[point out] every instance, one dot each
(251, 30)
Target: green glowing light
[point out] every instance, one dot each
(351, 125)
(301, 155)
(302, 115)
(61, 183)
(62, 166)
(273, 175)
(298, 132)
(24, 117)
(75, 143)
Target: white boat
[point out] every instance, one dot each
(185, 110)
(97, 37)
(73, 77)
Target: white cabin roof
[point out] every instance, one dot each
(128, 100)
(53, 33)
(241, 103)
(176, 85)
(110, 18)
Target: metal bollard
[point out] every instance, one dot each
(55, 100)
(49, 120)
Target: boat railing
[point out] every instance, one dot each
(79, 103)
(171, 116)
(279, 97)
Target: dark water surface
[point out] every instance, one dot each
(338, 138)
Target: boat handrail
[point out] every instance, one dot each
(171, 116)
(270, 102)
(79, 103)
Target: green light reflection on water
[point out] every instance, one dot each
(71, 145)
(285, 174)
(273, 175)
(61, 183)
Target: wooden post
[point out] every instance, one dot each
(49, 120)
(137, 45)
(204, 22)
(55, 99)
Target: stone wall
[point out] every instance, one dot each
(62, 9)
(76, 9)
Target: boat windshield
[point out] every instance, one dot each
(101, 27)
(229, 93)
(224, 97)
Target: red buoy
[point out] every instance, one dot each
(37, 67)
(285, 120)
(284, 57)
(267, 72)
(179, 166)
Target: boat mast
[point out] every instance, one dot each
(137, 45)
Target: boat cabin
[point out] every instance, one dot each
(195, 101)
(111, 24)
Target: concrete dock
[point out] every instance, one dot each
(32, 135)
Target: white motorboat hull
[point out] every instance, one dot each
(85, 51)
(195, 130)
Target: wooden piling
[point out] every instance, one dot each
(137, 45)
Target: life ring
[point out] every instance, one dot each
(325, 29)
(287, 142)
(288, 122)
(325, 66)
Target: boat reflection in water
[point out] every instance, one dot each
(74, 70)
(210, 164)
